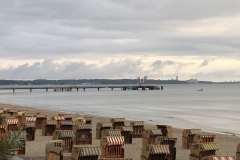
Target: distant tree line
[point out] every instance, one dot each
(99, 82)
(86, 81)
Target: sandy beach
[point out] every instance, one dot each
(36, 149)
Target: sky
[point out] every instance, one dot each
(106, 39)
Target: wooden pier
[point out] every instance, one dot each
(63, 88)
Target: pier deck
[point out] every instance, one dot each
(70, 88)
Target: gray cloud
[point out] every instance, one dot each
(80, 70)
(126, 68)
(204, 63)
(179, 68)
(116, 10)
(169, 62)
(158, 65)
(226, 75)
(44, 29)
(56, 30)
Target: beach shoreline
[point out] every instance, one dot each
(128, 119)
(227, 142)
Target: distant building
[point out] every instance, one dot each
(176, 78)
(192, 81)
(143, 80)
(138, 80)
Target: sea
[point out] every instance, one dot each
(216, 108)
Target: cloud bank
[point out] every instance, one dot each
(93, 32)
(125, 68)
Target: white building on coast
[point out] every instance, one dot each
(192, 81)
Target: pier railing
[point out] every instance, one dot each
(60, 88)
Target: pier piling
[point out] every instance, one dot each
(70, 88)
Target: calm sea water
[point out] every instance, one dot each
(216, 108)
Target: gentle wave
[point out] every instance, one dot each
(215, 109)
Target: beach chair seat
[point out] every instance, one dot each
(138, 127)
(54, 149)
(83, 134)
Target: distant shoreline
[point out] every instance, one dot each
(128, 119)
(105, 82)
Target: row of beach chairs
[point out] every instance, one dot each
(203, 146)
(75, 137)
(157, 143)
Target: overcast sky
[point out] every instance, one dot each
(81, 39)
